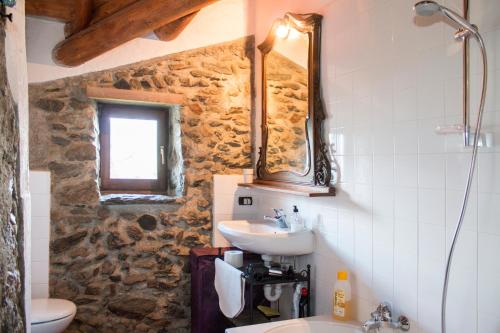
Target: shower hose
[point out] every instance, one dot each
(470, 178)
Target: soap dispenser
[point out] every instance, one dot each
(297, 224)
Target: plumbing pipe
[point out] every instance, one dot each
(268, 292)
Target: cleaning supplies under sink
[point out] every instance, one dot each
(297, 224)
(303, 302)
(296, 300)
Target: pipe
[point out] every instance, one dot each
(269, 294)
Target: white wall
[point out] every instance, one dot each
(15, 52)
(40, 218)
(225, 204)
(387, 81)
(222, 21)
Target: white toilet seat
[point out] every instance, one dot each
(45, 310)
(51, 315)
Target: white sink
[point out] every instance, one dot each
(266, 238)
(315, 327)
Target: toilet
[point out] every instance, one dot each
(51, 315)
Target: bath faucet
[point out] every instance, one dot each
(383, 317)
(279, 218)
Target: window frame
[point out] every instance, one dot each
(144, 112)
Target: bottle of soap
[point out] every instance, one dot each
(296, 224)
(342, 297)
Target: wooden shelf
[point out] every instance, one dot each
(295, 189)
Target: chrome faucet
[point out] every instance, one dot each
(279, 218)
(383, 317)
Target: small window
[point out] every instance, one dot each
(133, 147)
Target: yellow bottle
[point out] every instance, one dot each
(342, 297)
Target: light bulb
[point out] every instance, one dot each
(282, 31)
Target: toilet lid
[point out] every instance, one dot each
(49, 309)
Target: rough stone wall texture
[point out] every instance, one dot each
(126, 266)
(12, 318)
(287, 110)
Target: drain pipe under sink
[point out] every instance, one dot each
(269, 294)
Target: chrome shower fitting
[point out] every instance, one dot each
(462, 34)
(428, 8)
(466, 30)
(382, 317)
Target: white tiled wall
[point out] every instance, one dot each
(40, 233)
(225, 204)
(388, 79)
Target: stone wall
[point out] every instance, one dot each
(12, 316)
(126, 266)
(287, 110)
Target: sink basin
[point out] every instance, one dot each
(315, 327)
(266, 238)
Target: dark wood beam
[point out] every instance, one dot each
(172, 30)
(133, 21)
(108, 8)
(82, 13)
(75, 13)
(60, 10)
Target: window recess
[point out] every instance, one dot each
(133, 150)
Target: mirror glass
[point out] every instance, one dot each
(286, 77)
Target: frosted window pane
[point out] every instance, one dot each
(133, 145)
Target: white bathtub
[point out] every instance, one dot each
(318, 324)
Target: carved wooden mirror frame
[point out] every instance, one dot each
(318, 174)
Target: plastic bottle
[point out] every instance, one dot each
(296, 224)
(296, 301)
(342, 297)
(303, 302)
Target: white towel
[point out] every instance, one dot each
(230, 287)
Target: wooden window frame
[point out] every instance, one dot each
(136, 186)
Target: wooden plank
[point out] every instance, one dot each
(60, 10)
(133, 21)
(108, 8)
(172, 30)
(134, 96)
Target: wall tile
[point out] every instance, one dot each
(406, 137)
(40, 272)
(39, 182)
(406, 170)
(398, 78)
(40, 205)
(431, 171)
(39, 290)
(406, 204)
(431, 206)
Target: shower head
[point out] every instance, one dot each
(429, 8)
(426, 8)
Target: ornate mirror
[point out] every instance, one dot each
(293, 152)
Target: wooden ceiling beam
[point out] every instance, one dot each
(82, 13)
(172, 30)
(59, 10)
(133, 21)
(108, 8)
(75, 13)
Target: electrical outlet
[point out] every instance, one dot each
(245, 201)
